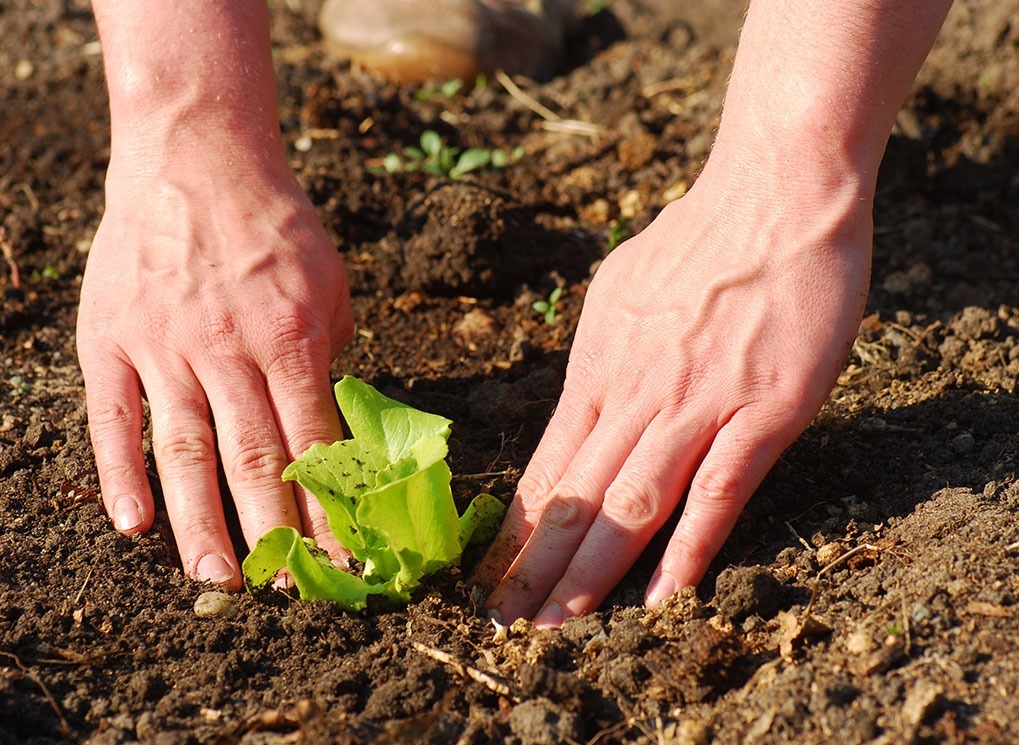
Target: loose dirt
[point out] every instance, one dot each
(867, 595)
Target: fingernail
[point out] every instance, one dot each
(214, 568)
(550, 617)
(662, 586)
(127, 515)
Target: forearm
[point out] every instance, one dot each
(816, 85)
(189, 76)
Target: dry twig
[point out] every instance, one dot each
(553, 122)
(34, 677)
(816, 589)
(7, 249)
(493, 683)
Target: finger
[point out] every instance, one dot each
(636, 504)
(251, 449)
(569, 427)
(302, 400)
(740, 457)
(185, 451)
(565, 519)
(115, 420)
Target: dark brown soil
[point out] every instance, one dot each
(910, 467)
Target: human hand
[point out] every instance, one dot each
(706, 345)
(214, 293)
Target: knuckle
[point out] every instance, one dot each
(220, 329)
(716, 490)
(184, 447)
(532, 488)
(567, 513)
(296, 345)
(106, 415)
(296, 329)
(630, 507)
(254, 456)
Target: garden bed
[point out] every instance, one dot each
(908, 474)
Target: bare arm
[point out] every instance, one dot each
(708, 342)
(211, 288)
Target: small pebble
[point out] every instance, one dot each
(859, 642)
(215, 604)
(957, 587)
(919, 701)
(829, 552)
(920, 612)
(963, 443)
(24, 69)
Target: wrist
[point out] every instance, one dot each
(815, 89)
(802, 157)
(188, 77)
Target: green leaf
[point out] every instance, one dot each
(414, 153)
(392, 163)
(471, 160)
(386, 493)
(314, 574)
(451, 87)
(339, 475)
(417, 520)
(384, 423)
(499, 158)
(480, 521)
(446, 157)
(431, 143)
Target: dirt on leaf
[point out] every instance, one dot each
(867, 595)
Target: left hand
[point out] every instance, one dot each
(706, 345)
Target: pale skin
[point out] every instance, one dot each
(706, 344)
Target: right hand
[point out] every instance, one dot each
(212, 291)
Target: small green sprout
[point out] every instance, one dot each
(437, 158)
(548, 308)
(19, 386)
(619, 232)
(48, 272)
(447, 89)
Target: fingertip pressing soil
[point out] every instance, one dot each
(868, 593)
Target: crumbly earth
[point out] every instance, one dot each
(869, 594)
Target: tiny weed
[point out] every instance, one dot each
(549, 307)
(437, 158)
(447, 90)
(619, 232)
(48, 272)
(18, 385)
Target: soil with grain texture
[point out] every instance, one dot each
(908, 475)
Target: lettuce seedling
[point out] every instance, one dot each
(387, 495)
